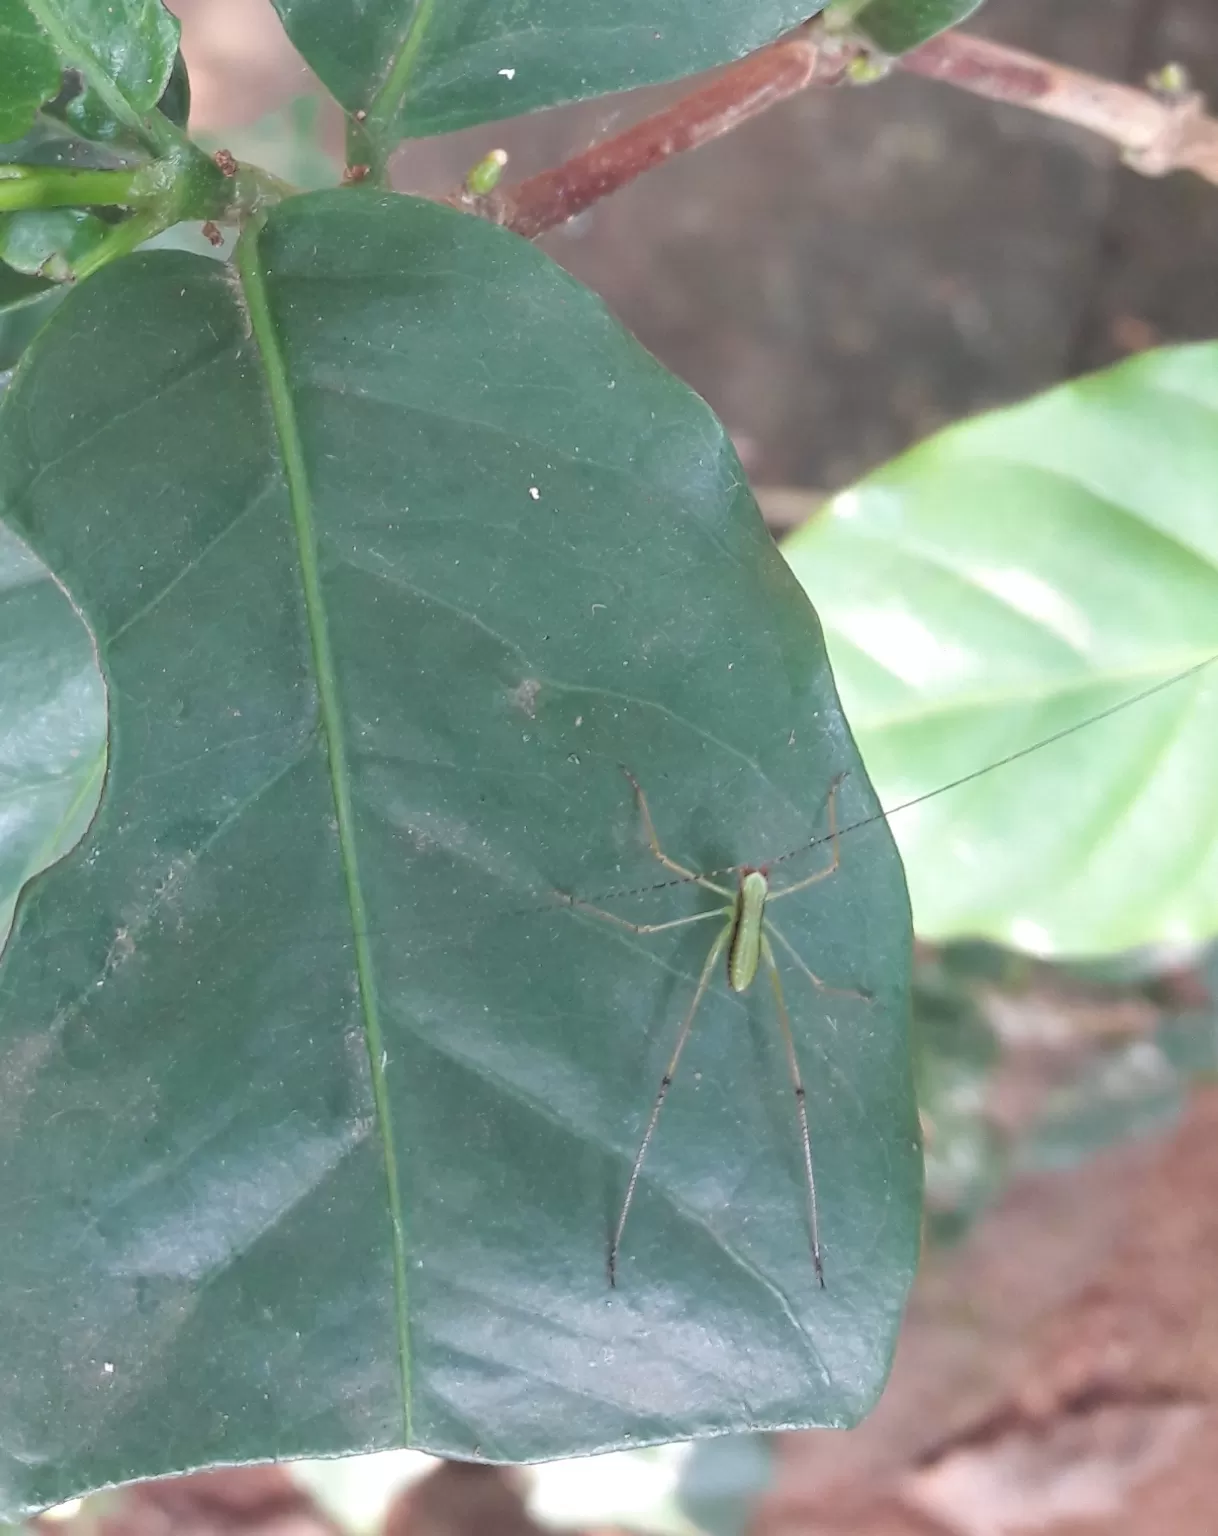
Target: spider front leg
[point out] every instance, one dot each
(624, 922)
(835, 857)
(654, 841)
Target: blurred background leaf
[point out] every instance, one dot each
(970, 614)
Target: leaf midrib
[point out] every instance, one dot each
(283, 410)
(388, 101)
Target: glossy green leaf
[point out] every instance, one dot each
(131, 44)
(429, 66)
(29, 69)
(313, 1095)
(52, 723)
(896, 26)
(1006, 580)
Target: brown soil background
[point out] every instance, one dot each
(838, 279)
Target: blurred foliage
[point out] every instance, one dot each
(285, 142)
(1027, 1066)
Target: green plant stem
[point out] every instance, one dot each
(164, 192)
(42, 186)
(370, 142)
(122, 240)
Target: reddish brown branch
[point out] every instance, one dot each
(731, 98)
(1156, 133)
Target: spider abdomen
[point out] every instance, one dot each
(744, 948)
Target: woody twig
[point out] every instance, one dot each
(1156, 131)
(736, 94)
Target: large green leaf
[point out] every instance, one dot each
(52, 723)
(29, 69)
(316, 1105)
(1006, 580)
(429, 66)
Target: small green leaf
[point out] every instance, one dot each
(896, 26)
(429, 66)
(314, 1093)
(29, 69)
(1006, 580)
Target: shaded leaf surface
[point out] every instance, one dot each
(311, 1096)
(1006, 580)
(445, 64)
(17, 291)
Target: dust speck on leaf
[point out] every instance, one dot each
(524, 696)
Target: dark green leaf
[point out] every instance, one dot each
(175, 99)
(25, 304)
(17, 291)
(22, 320)
(29, 69)
(896, 26)
(378, 635)
(430, 66)
(53, 142)
(52, 723)
(1011, 578)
